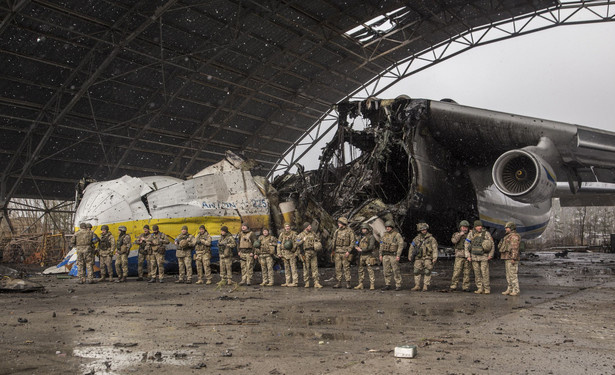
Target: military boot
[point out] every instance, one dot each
(199, 281)
(307, 284)
(208, 282)
(514, 293)
(417, 283)
(317, 285)
(425, 288)
(371, 287)
(360, 286)
(506, 292)
(119, 280)
(486, 291)
(152, 280)
(348, 285)
(338, 285)
(270, 284)
(188, 281)
(263, 283)
(478, 291)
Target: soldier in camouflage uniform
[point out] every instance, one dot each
(343, 240)
(287, 250)
(461, 263)
(143, 252)
(203, 255)
(82, 241)
(185, 244)
(365, 246)
(391, 246)
(156, 243)
(105, 251)
(226, 244)
(264, 249)
(479, 250)
(509, 250)
(123, 249)
(309, 241)
(246, 254)
(424, 250)
(91, 257)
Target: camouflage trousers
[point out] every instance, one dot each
(142, 257)
(266, 268)
(390, 266)
(310, 265)
(185, 267)
(422, 269)
(226, 272)
(290, 267)
(365, 261)
(462, 265)
(342, 264)
(512, 278)
(156, 263)
(202, 260)
(481, 275)
(121, 265)
(247, 266)
(91, 259)
(105, 266)
(83, 263)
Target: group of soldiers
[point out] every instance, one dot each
(473, 248)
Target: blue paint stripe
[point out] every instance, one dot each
(549, 175)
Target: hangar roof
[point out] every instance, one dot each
(103, 88)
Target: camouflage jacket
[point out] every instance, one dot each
(246, 239)
(367, 244)
(287, 236)
(82, 240)
(268, 245)
(141, 241)
(343, 240)
(185, 243)
(306, 240)
(156, 242)
(459, 241)
(95, 240)
(424, 246)
(391, 243)
(107, 244)
(509, 246)
(226, 244)
(479, 246)
(123, 244)
(203, 243)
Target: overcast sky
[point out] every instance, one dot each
(566, 74)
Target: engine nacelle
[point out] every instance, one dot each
(524, 176)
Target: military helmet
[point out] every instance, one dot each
(422, 226)
(343, 220)
(122, 228)
(464, 223)
(184, 227)
(389, 223)
(224, 229)
(478, 223)
(287, 223)
(88, 225)
(203, 227)
(146, 226)
(104, 227)
(288, 245)
(317, 246)
(245, 224)
(305, 225)
(511, 225)
(155, 227)
(366, 226)
(82, 225)
(256, 244)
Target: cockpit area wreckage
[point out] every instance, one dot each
(414, 160)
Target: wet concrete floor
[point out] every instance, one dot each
(562, 323)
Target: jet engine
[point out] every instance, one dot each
(524, 176)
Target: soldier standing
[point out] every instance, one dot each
(82, 241)
(185, 244)
(156, 242)
(264, 249)
(343, 240)
(105, 251)
(143, 252)
(287, 250)
(479, 250)
(366, 245)
(246, 254)
(123, 249)
(226, 244)
(203, 255)
(461, 263)
(91, 257)
(425, 253)
(391, 246)
(509, 250)
(309, 242)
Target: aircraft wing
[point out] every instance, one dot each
(531, 159)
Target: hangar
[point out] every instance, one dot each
(101, 89)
